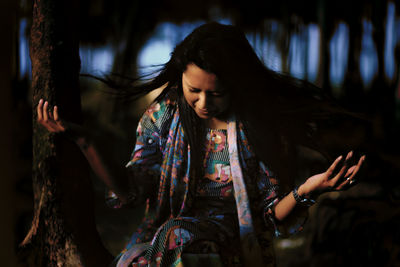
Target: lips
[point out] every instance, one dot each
(206, 112)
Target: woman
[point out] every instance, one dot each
(205, 150)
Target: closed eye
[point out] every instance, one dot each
(194, 90)
(217, 94)
(211, 93)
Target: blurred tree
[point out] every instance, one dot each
(63, 231)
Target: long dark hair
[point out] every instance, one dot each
(277, 111)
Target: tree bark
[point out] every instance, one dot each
(63, 230)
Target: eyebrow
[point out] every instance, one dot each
(213, 91)
(210, 91)
(192, 87)
(219, 90)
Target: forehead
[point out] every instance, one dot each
(198, 78)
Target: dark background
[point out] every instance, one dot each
(349, 48)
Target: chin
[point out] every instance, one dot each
(204, 117)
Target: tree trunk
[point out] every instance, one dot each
(63, 231)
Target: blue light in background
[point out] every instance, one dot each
(157, 50)
(271, 55)
(24, 60)
(368, 56)
(98, 60)
(339, 51)
(297, 54)
(152, 54)
(256, 42)
(304, 48)
(93, 60)
(313, 52)
(265, 46)
(390, 41)
(303, 58)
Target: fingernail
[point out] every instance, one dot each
(340, 157)
(41, 100)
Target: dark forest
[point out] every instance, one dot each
(54, 210)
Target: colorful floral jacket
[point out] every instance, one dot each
(160, 167)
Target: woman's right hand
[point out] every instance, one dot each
(49, 119)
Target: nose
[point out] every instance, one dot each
(203, 101)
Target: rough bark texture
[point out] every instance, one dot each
(63, 231)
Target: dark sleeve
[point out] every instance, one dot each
(145, 161)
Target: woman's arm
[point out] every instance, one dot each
(320, 183)
(112, 174)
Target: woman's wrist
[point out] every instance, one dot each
(302, 191)
(302, 196)
(75, 132)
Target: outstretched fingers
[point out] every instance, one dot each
(45, 114)
(356, 168)
(351, 172)
(39, 111)
(60, 124)
(334, 181)
(332, 168)
(347, 181)
(42, 116)
(55, 114)
(49, 118)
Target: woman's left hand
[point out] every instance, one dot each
(327, 181)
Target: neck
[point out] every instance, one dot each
(214, 123)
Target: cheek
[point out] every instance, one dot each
(189, 97)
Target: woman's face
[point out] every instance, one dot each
(203, 93)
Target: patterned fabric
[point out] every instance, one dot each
(162, 157)
(217, 170)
